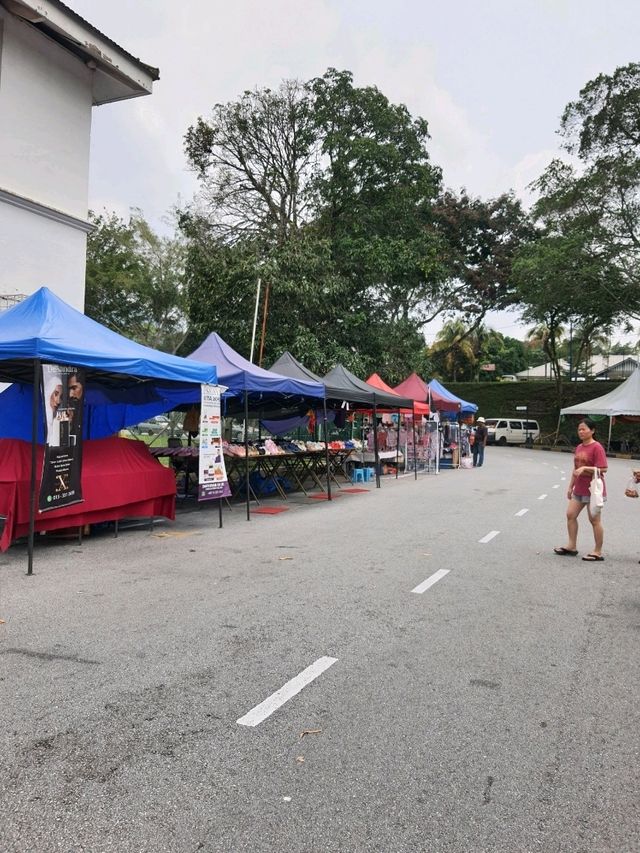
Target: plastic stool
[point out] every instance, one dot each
(357, 475)
(369, 474)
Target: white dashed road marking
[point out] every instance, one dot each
(488, 537)
(522, 512)
(556, 486)
(276, 700)
(542, 497)
(430, 581)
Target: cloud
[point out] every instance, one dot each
(492, 98)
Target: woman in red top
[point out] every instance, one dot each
(589, 456)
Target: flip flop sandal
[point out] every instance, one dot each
(565, 552)
(593, 558)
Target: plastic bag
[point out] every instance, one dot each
(631, 490)
(596, 487)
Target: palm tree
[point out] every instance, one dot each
(546, 339)
(455, 348)
(588, 336)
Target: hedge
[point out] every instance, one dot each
(499, 400)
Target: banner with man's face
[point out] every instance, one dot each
(63, 393)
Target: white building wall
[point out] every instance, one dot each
(45, 120)
(37, 251)
(45, 126)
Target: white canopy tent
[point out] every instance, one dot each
(623, 400)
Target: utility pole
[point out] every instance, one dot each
(570, 349)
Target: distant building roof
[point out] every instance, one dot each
(617, 366)
(118, 74)
(599, 366)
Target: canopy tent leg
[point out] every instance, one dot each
(415, 447)
(246, 453)
(610, 428)
(34, 443)
(326, 446)
(398, 444)
(375, 444)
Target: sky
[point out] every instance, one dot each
(492, 79)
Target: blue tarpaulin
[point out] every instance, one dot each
(126, 382)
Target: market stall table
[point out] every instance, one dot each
(120, 479)
(300, 468)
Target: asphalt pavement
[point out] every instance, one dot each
(408, 668)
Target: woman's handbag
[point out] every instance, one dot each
(596, 487)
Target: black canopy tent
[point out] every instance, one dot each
(289, 366)
(343, 385)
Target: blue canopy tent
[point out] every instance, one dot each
(265, 388)
(251, 387)
(124, 381)
(447, 403)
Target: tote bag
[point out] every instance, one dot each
(596, 487)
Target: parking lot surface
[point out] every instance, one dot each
(402, 669)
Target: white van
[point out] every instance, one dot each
(511, 430)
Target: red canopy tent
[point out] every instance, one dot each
(419, 408)
(416, 388)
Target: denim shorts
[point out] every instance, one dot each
(584, 499)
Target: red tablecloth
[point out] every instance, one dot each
(120, 478)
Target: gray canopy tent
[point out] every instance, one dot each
(623, 400)
(342, 386)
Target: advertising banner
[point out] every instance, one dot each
(212, 474)
(63, 392)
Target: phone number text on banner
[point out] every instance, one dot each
(212, 474)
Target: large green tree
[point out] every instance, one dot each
(600, 196)
(373, 194)
(563, 282)
(253, 158)
(583, 269)
(134, 280)
(323, 191)
(480, 240)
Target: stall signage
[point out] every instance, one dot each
(212, 474)
(63, 397)
(488, 367)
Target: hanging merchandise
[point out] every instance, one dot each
(191, 421)
(212, 474)
(424, 457)
(312, 422)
